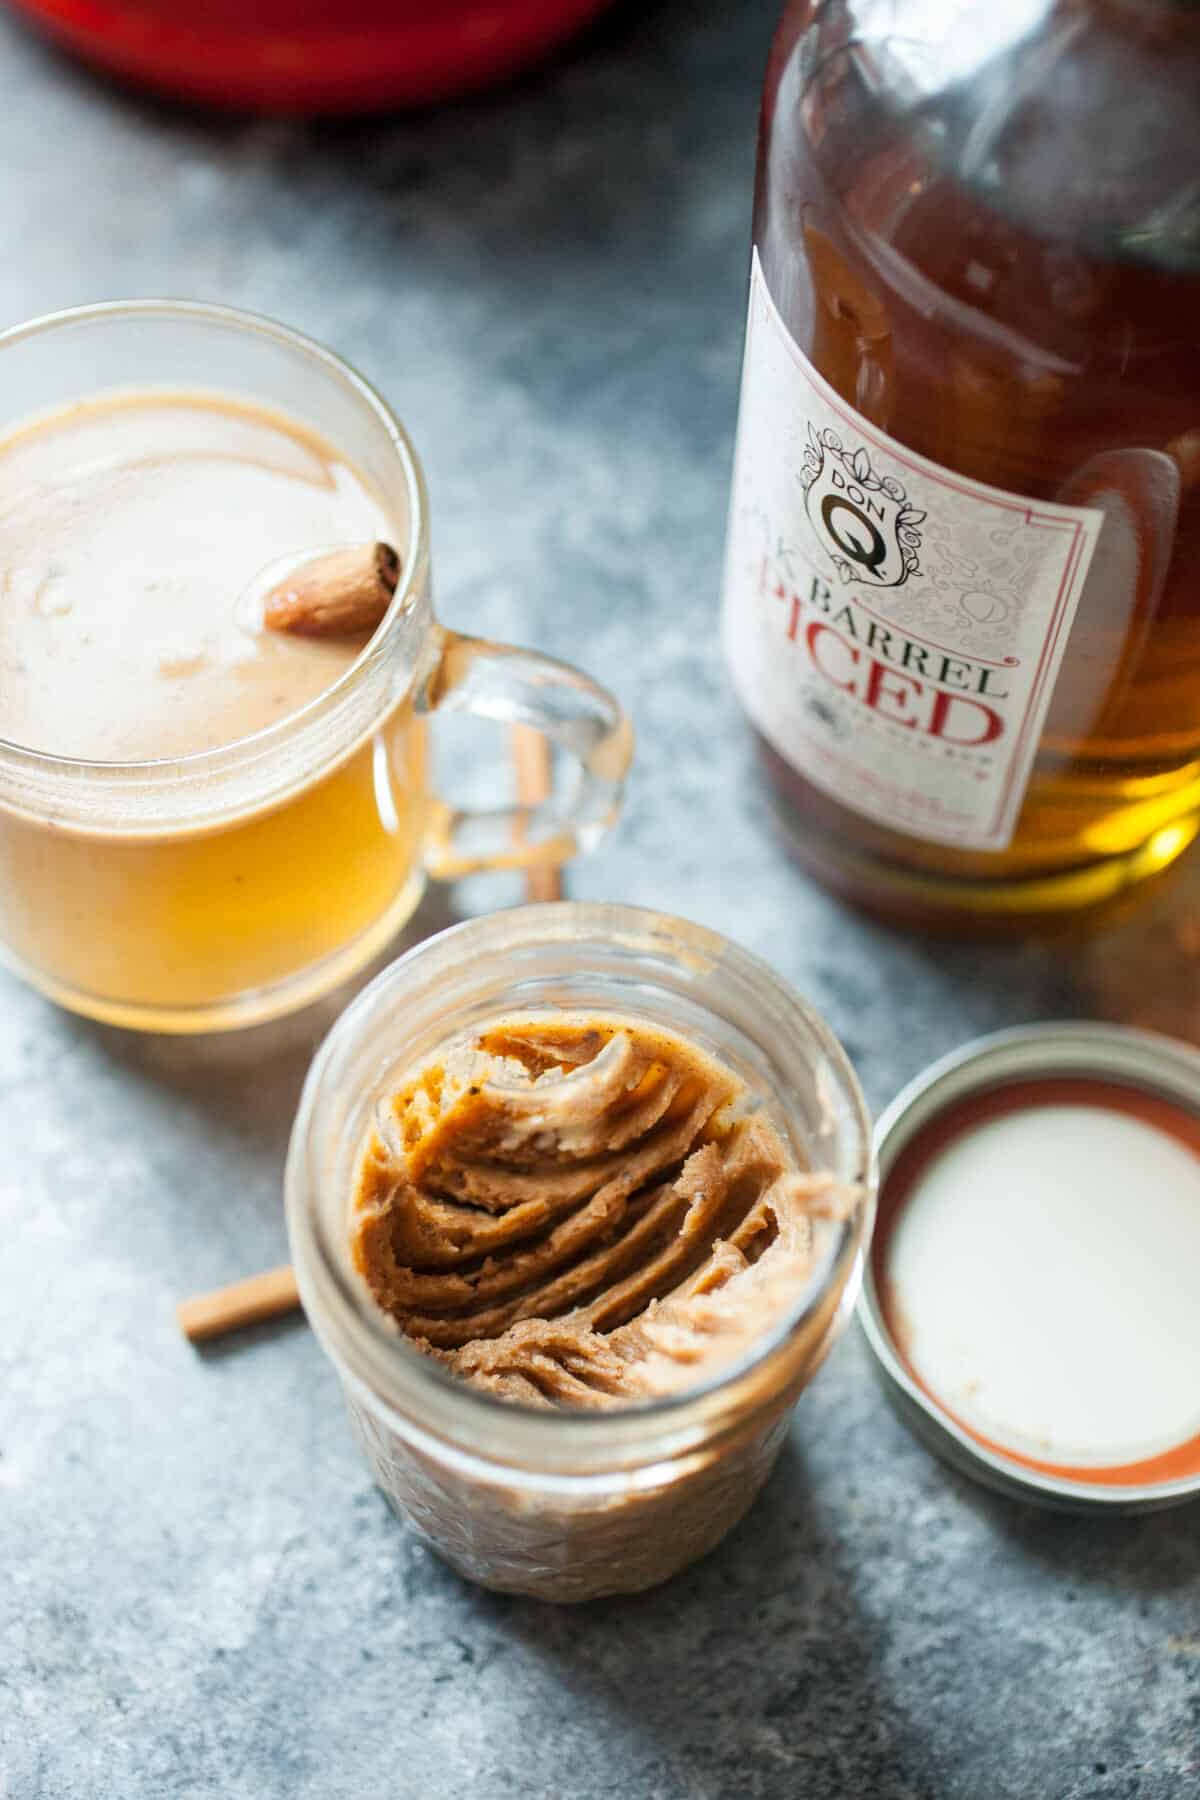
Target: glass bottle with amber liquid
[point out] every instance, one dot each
(962, 592)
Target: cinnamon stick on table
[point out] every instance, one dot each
(274, 1293)
(243, 1303)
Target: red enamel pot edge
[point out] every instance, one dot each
(330, 58)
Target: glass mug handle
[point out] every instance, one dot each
(519, 687)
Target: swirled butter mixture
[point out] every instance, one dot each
(583, 1211)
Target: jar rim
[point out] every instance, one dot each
(75, 790)
(369, 1349)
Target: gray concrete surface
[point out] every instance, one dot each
(200, 1592)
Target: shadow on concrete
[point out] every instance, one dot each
(754, 1672)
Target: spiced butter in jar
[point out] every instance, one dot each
(578, 1198)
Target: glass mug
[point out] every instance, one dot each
(572, 1505)
(239, 883)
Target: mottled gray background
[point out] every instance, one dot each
(201, 1594)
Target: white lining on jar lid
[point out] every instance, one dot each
(1032, 1292)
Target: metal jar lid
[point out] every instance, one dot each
(1153, 1081)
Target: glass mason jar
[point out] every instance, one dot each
(962, 606)
(236, 884)
(567, 1506)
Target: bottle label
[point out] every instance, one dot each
(894, 629)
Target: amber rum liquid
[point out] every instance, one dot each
(962, 603)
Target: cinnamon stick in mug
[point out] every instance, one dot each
(343, 594)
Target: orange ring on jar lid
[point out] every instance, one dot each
(1033, 1292)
